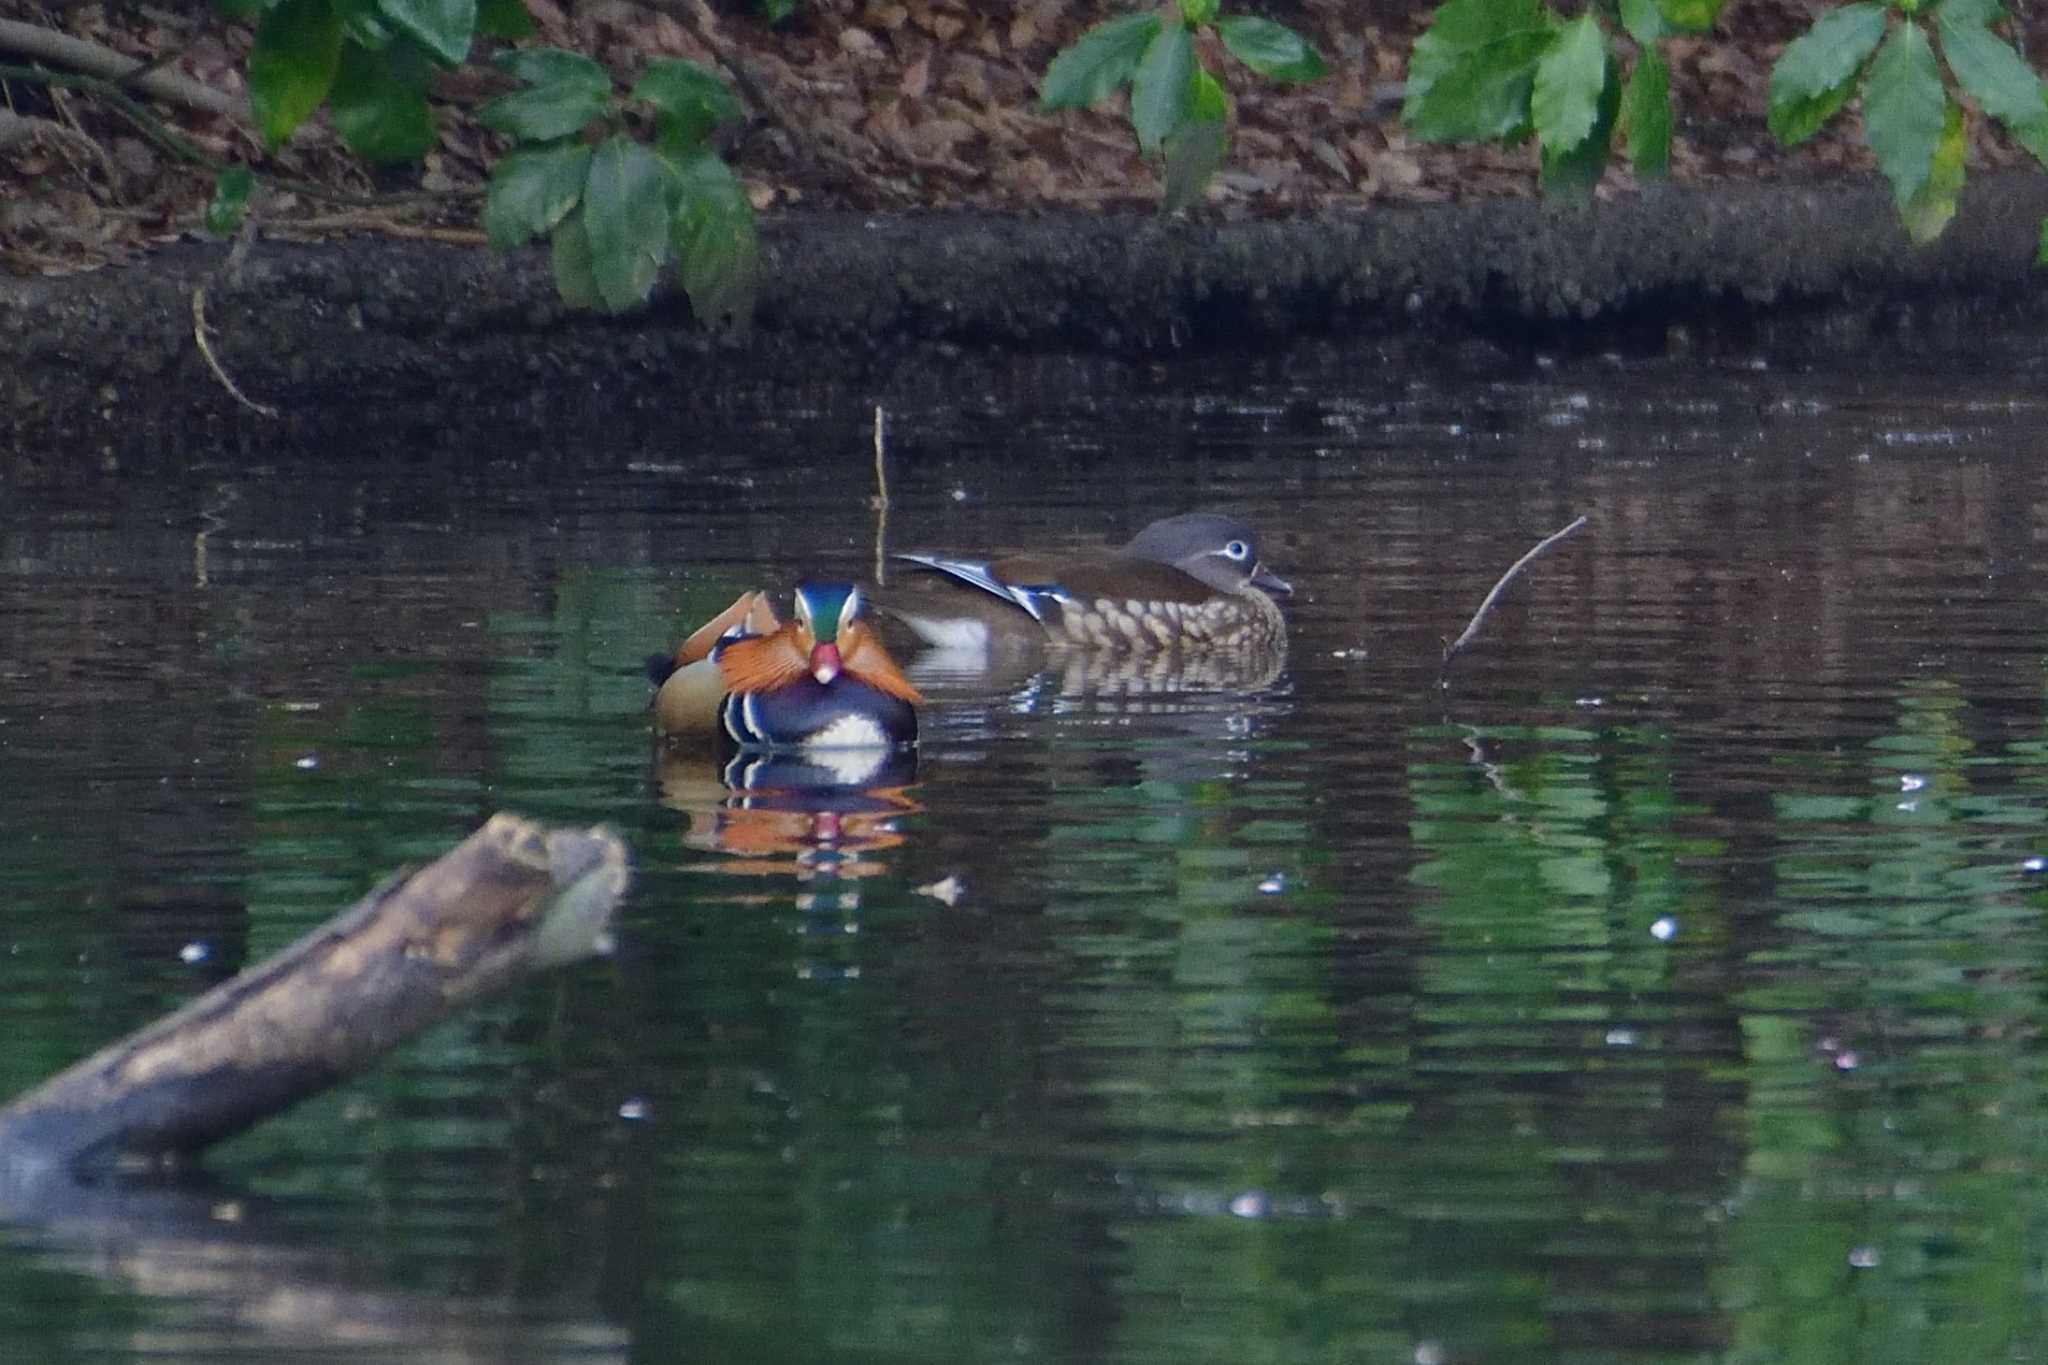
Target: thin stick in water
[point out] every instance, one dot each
(880, 501)
(206, 354)
(1479, 617)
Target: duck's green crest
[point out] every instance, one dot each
(826, 604)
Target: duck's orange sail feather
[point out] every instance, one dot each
(752, 608)
(763, 663)
(866, 658)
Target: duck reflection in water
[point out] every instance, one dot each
(788, 744)
(776, 816)
(1187, 605)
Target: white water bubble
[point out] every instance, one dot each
(1251, 1204)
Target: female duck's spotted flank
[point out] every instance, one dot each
(1188, 582)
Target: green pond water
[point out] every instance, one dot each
(1668, 989)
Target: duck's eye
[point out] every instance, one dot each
(1238, 551)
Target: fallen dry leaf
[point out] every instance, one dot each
(917, 77)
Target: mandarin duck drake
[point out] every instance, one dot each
(1191, 582)
(822, 680)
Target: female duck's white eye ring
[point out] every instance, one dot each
(1238, 551)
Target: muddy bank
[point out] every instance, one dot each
(341, 334)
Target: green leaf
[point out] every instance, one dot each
(1577, 169)
(503, 19)
(2034, 137)
(625, 214)
(1816, 73)
(1934, 203)
(690, 99)
(363, 23)
(1690, 16)
(554, 66)
(575, 274)
(230, 199)
(1794, 121)
(1194, 150)
(442, 27)
(542, 113)
(533, 189)
(775, 11)
(1459, 29)
(1644, 21)
(291, 67)
(1483, 95)
(380, 102)
(718, 252)
(2041, 251)
(1570, 78)
(1831, 52)
(1099, 63)
(1905, 110)
(1198, 12)
(1646, 114)
(1994, 75)
(1271, 49)
(1983, 13)
(1162, 86)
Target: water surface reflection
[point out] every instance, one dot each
(1664, 991)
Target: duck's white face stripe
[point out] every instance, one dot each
(847, 611)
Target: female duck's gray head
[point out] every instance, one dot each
(1220, 550)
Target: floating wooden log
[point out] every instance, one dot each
(512, 899)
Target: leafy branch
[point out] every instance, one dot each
(1179, 109)
(614, 207)
(615, 211)
(1916, 127)
(1504, 69)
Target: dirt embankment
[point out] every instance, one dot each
(107, 358)
(915, 203)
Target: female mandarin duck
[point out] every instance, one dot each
(820, 681)
(1188, 582)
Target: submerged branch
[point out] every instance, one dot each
(1542, 547)
(512, 899)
